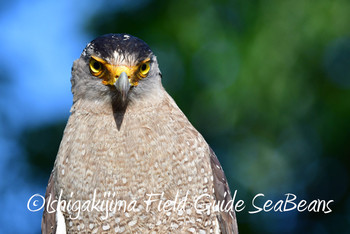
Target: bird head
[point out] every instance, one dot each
(117, 66)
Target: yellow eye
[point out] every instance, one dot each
(96, 68)
(144, 69)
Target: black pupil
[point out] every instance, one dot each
(96, 65)
(144, 67)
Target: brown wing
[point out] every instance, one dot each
(48, 223)
(227, 220)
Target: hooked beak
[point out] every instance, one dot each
(123, 85)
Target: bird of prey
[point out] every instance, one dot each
(129, 160)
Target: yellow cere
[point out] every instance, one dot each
(109, 73)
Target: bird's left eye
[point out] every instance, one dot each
(96, 68)
(144, 69)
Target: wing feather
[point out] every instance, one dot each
(227, 220)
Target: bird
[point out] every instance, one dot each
(129, 160)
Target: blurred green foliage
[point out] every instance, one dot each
(41, 144)
(267, 84)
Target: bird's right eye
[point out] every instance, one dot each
(96, 67)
